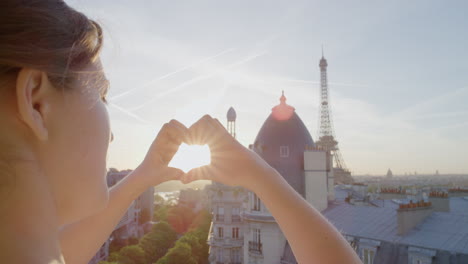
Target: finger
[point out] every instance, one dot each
(173, 131)
(219, 125)
(200, 173)
(183, 130)
(202, 131)
(171, 173)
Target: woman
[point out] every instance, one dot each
(54, 135)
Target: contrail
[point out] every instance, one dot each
(173, 73)
(197, 79)
(433, 101)
(131, 114)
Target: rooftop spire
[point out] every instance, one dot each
(283, 111)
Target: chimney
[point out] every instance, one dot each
(392, 193)
(411, 214)
(440, 201)
(458, 192)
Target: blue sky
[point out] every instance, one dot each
(398, 73)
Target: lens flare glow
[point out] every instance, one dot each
(191, 156)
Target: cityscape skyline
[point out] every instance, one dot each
(396, 75)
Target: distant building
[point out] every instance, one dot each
(402, 230)
(226, 235)
(197, 199)
(285, 143)
(395, 225)
(135, 222)
(389, 173)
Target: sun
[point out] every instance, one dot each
(191, 156)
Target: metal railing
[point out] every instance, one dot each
(255, 247)
(220, 217)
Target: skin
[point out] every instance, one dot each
(53, 149)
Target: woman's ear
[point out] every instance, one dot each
(33, 99)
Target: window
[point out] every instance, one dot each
(284, 151)
(256, 235)
(368, 256)
(220, 214)
(219, 256)
(235, 211)
(256, 244)
(235, 256)
(256, 203)
(235, 232)
(220, 232)
(235, 214)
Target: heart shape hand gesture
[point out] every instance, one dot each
(231, 163)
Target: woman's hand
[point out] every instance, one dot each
(154, 167)
(231, 163)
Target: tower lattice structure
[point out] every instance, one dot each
(327, 138)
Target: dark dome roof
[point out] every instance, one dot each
(231, 114)
(284, 128)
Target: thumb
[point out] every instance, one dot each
(170, 173)
(199, 173)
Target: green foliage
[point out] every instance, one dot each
(156, 243)
(192, 247)
(202, 221)
(180, 217)
(181, 253)
(116, 244)
(160, 213)
(158, 199)
(132, 241)
(132, 254)
(114, 257)
(107, 262)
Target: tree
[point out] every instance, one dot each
(156, 243)
(158, 199)
(195, 240)
(160, 213)
(132, 254)
(114, 257)
(180, 218)
(196, 247)
(181, 253)
(202, 221)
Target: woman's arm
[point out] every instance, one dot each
(81, 240)
(312, 238)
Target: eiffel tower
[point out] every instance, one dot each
(327, 140)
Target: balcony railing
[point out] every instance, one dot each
(236, 218)
(220, 217)
(255, 247)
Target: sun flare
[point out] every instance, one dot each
(191, 156)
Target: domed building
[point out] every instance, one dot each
(286, 144)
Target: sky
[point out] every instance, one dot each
(398, 73)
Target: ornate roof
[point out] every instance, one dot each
(284, 128)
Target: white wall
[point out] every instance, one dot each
(273, 242)
(316, 179)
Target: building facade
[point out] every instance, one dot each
(226, 236)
